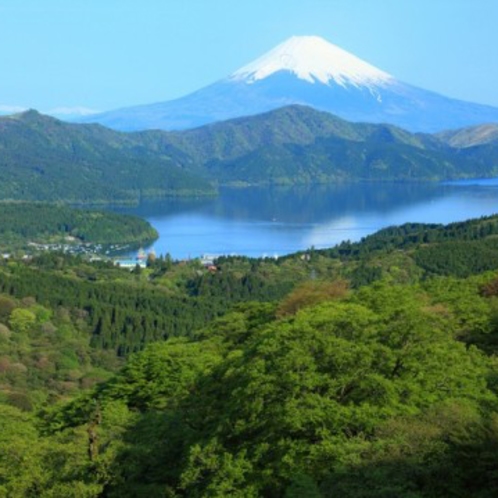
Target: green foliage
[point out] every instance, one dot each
(385, 389)
(121, 315)
(32, 465)
(311, 293)
(160, 378)
(415, 235)
(46, 355)
(21, 320)
(298, 145)
(46, 159)
(320, 404)
(303, 486)
(460, 259)
(23, 222)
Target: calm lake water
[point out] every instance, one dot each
(276, 221)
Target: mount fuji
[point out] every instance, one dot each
(310, 71)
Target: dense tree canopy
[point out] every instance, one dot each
(287, 378)
(22, 223)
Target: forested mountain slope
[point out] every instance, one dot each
(365, 370)
(45, 159)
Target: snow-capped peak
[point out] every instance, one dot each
(312, 58)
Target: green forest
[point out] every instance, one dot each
(22, 223)
(368, 370)
(44, 159)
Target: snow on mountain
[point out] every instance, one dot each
(312, 59)
(306, 70)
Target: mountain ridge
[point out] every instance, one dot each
(44, 158)
(47, 159)
(471, 136)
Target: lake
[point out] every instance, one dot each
(274, 221)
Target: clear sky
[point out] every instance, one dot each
(105, 54)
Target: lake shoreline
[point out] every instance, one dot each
(259, 221)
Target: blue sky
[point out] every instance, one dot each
(105, 54)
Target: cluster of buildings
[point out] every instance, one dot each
(140, 260)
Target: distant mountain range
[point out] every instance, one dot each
(469, 137)
(306, 70)
(43, 158)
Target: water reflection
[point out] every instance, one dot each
(258, 221)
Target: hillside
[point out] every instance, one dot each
(173, 299)
(22, 223)
(46, 159)
(358, 371)
(298, 144)
(470, 137)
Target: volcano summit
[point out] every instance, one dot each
(310, 71)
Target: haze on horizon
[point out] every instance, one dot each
(105, 55)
